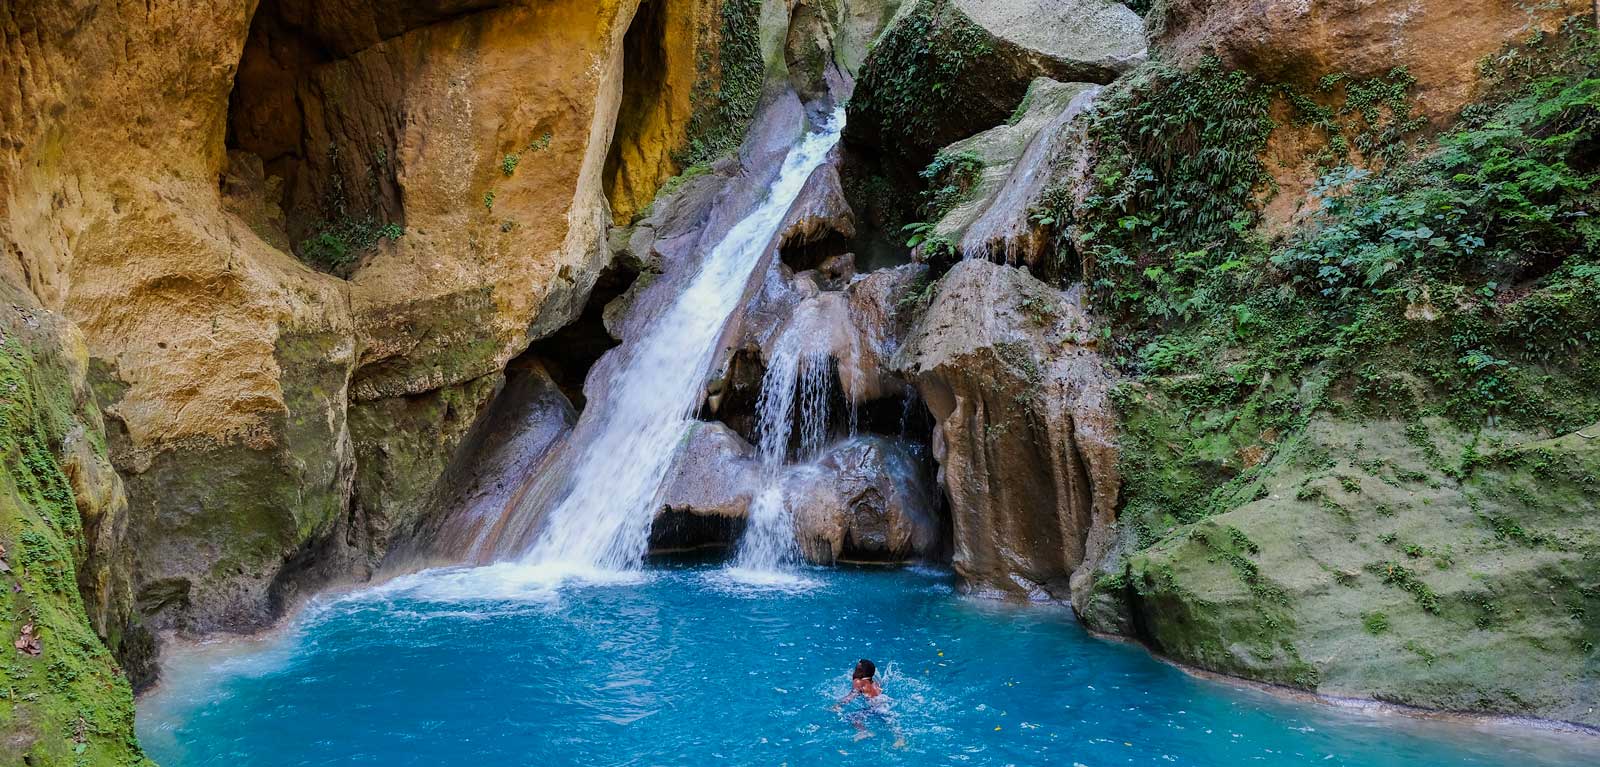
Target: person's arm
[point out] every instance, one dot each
(846, 699)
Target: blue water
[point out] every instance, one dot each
(682, 666)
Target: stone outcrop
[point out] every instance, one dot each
(527, 419)
(947, 69)
(1024, 436)
(865, 499)
(715, 474)
(1440, 44)
(1359, 570)
(1019, 162)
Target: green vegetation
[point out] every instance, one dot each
(1375, 623)
(338, 243)
(1460, 284)
(1450, 287)
(344, 233)
(62, 699)
(921, 75)
(1173, 196)
(950, 179)
(728, 87)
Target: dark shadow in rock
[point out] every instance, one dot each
(570, 353)
(510, 443)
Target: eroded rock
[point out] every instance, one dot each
(715, 476)
(1025, 435)
(947, 69)
(1020, 161)
(865, 499)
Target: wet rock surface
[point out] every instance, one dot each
(715, 473)
(866, 499)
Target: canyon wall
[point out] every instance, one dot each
(1317, 455)
(278, 275)
(283, 253)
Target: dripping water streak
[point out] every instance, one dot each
(1005, 232)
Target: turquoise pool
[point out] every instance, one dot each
(688, 666)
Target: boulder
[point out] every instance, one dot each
(867, 498)
(1357, 568)
(947, 69)
(1024, 435)
(706, 498)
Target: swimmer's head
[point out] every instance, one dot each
(864, 670)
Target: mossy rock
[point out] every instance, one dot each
(1361, 568)
(63, 700)
(947, 69)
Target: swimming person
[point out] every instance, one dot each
(864, 684)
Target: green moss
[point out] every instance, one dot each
(729, 86)
(1375, 623)
(918, 80)
(1380, 406)
(69, 704)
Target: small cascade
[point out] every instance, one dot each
(795, 391)
(627, 438)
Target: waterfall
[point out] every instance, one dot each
(626, 439)
(796, 387)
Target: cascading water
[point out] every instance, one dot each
(796, 387)
(626, 440)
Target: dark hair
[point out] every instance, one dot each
(864, 670)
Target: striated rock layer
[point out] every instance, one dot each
(1025, 439)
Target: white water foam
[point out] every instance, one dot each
(794, 390)
(627, 440)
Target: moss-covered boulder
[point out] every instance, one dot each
(987, 191)
(1370, 565)
(946, 69)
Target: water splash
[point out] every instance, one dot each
(795, 391)
(626, 440)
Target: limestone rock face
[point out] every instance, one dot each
(246, 394)
(1020, 161)
(947, 69)
(1402, 585)
(1439, 42)
(1024, 435)
(864, 499)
